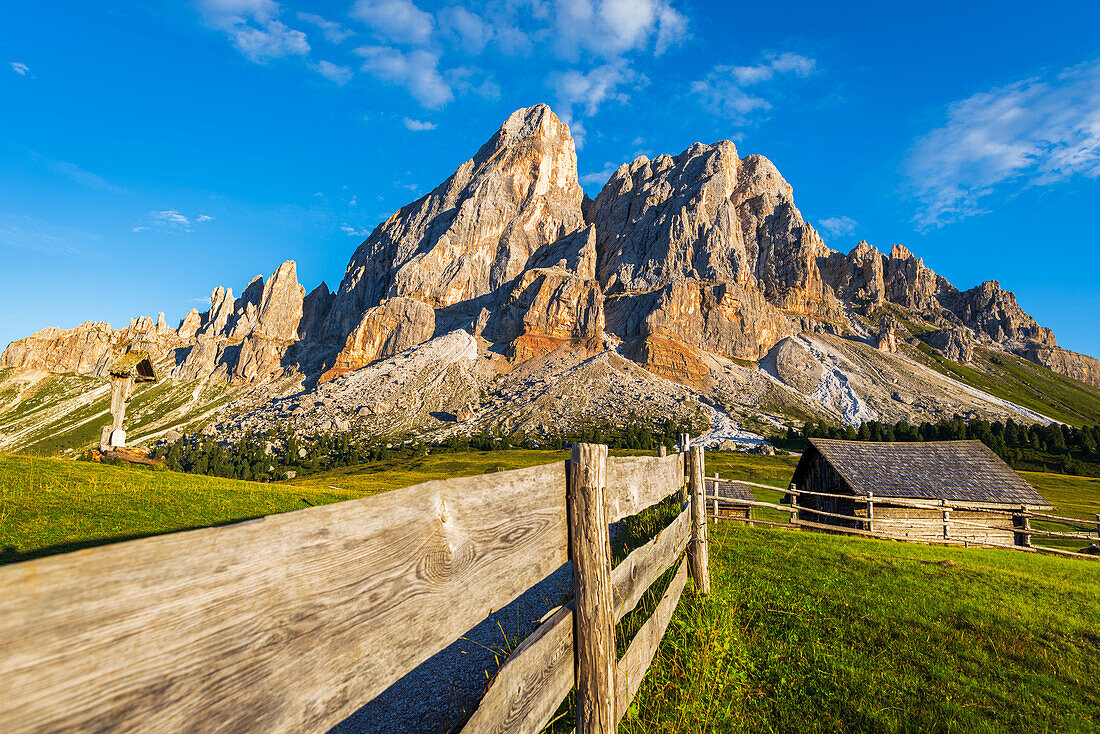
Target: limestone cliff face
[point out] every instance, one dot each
(727, 319)
(858, 277)
(477, 229)
(992, 310)
(1078, 366)
(708, 215)
(243, 339)
(384, 330)
(556, 301)
(678, 257)
(709, 249)
(84, 350)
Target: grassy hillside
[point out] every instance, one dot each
(57, 505)
(1020, 381)
(50, 415)
(808, 632)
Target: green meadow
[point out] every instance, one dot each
(804, 631)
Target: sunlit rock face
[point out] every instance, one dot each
(678, 259)
(384, 330)
(476, 230)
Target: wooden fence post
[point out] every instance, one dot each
(870, 511)
(794, 502)
(715, 496)
(946, 518)
(1025, 525)
(685, 443)
(594, 615)
(700, 553)
(662, 451)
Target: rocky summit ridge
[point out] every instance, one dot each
(692, 266)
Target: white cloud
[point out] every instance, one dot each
(463, 79)
(1035, 132)
(396, 21)
(334, 73)
(590, 90)
(334, 32)
(253, 27)
(466, 29)
(353, 231)
(725, 91)
(26, 233)
(599, 177)
(836, 226)
(20, 68)
(169, 220)
(417, 71)
(610, 28)
(418, 125)
(672, 29)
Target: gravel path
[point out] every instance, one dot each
(438, 693)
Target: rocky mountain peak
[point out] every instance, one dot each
(475, 231)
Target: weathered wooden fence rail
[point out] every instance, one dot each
(292, 622)
(864, 524)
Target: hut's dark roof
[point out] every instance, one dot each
(136, 364)
(950, 470)
(734, 491)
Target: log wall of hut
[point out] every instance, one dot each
(920, 524)
(731, 510)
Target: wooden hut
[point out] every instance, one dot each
(134, 366)
(936, 490)
(731, 498)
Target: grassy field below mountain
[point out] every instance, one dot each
(804, 631)
(815, 633)
(1022, 382)
(56, 505)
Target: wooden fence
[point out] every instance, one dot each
(952, 515)
(294, 621)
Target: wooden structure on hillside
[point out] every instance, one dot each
(134, 366)
(936, 490)
(730, 498)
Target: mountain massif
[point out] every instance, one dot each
(506, 298)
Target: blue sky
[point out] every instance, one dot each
(150, 151)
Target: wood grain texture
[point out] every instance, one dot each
(531, 684)
(593, 613)
(699, 551)
(539, 673)
(637, 482)
(639, 654)
(284, 624)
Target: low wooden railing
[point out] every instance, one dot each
(291, 622)
(864, 524)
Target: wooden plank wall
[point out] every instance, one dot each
(290, 623)
(920, 524)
